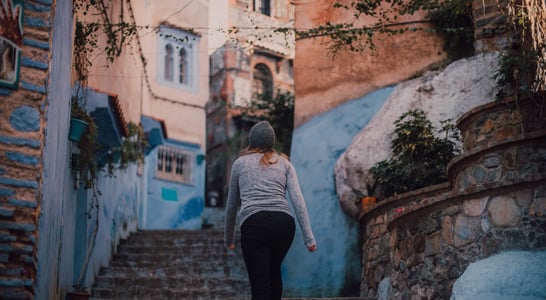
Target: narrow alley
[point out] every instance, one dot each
(411, 136)
(169, 264)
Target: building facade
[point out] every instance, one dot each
(55, 233)
(248, 62)
(173, 89)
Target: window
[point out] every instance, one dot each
(169, 62)
(178, 53)
(174, 164)
(263, 6)
(280, 9)
(183, 66)
(262, 84)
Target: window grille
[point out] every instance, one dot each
(178, 53)
(262, 84)
(174, 164)
(182, 66)
(169, 62)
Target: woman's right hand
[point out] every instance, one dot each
(231, 246)
(312, 248)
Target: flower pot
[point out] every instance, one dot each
(77, 128)
(367, 202)
(77, 296)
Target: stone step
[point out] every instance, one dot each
(175, 282)
(234, 298)
(208, 269)
(176, 241)
(218, 293)
(178, 263)
(174, 265)
(210, 234)
(173, 257)
(336, 298)
(179, 250)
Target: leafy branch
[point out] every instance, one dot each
(452, 18)
(87, 33)
(279, 111)
(527, 56)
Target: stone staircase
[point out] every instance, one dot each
(175, 264)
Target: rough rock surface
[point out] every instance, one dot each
(509, 275)
(443, 94)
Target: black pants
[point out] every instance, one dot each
(265, 239)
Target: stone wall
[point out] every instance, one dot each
(22, 125)
(491, 28)
(420, 242)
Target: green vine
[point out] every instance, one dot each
(118, 34)
(521, 67)
(131, 151)
(452, 18)
(84, 161)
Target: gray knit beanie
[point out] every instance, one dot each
(261, 136)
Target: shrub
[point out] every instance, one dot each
(419, 158)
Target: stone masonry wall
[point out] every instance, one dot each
(417, 244)
(22, 125)
(492, 32)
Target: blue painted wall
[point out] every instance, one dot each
(172, 205)
(69, 216)
(117, 212)
(334, 269)
(57, 213)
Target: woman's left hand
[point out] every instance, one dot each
(312, 248)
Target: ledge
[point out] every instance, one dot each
(528, 138)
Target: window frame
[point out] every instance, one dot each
(175, 164)
(262, 6)
(178, 40)
(266, 82)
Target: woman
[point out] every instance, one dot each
(261, 180)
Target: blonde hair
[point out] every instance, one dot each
(266, 157)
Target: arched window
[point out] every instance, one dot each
(263, 6)
(183, 66)
(178, 63)
(262, 84)
(169, 62)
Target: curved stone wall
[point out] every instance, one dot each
(417, 244)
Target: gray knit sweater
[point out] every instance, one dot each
(255, 187)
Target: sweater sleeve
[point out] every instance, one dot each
(296, 196)
(232, 206)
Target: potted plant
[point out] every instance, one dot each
(84, 156)
(369, 200)
(80, 294)
(77, 126)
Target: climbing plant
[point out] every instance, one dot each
(117, 35)
(522, 73)
(452, 18)
(522, 68)
(97, 33)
